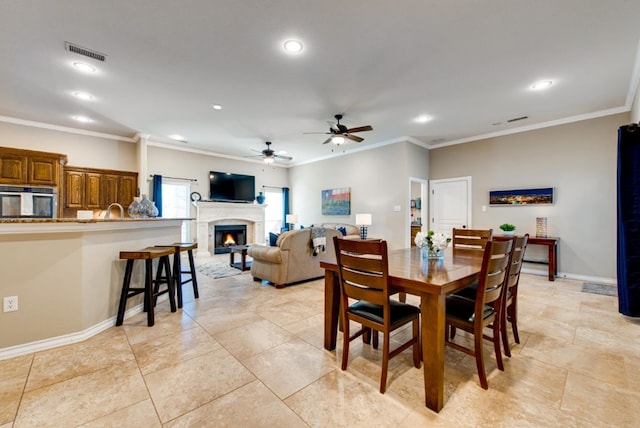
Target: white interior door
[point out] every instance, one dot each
(450, 204)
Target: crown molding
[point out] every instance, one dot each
(67, 129)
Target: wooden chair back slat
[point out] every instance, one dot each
(471, 238)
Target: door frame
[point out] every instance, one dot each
(466, 179)
(424, 195)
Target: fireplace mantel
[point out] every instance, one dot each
(225, 213)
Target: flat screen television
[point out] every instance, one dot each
(227, 187)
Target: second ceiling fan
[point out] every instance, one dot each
(340, 133)
(269, 155)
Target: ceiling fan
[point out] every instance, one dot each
(269, 155)
(340, 133)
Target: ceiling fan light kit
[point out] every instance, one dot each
(337, 140)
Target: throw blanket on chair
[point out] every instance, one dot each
(318, 240)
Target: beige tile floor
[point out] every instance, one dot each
(248, 355)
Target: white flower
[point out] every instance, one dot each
(440, 241)
(432, 240)
(421, 239)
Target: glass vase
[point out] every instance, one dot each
(431, 253)
(134, 208)
(145, 204)
(152, 210)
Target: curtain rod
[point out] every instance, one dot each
(175, 178)
(273, 187)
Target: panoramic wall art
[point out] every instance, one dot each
(336, 201)
(543, 196)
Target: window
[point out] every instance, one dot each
(176, 204)
(273, 212)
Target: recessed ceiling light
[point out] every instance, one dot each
(83, 119)
(84, 67)
(217, 107)
(176, 137)
(83, 95)
(293, 46)
(543, 84)
(423, 119)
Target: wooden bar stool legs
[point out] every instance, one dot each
(151, 288)
(177, 268)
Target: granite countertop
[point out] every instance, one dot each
(82, 220)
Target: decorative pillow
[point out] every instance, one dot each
(342, 230)
(273, 238)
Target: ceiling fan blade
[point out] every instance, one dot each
(354, 138)
(360, 129)
(283, 157)
(327, 133)
(328, 140)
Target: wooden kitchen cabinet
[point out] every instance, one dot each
(414, 232)
(13, 169)
(30, 167)
(94, 189)
(43, 171)
(74, 189)
(127, 188)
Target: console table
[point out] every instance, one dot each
(551, 244)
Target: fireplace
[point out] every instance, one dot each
(213, 214)
(227, 235)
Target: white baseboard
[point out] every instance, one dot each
(577, 277)
(67, 339)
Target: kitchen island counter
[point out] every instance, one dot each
(67, 276)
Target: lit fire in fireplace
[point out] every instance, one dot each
(228, 240)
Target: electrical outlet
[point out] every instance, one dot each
(10, 304)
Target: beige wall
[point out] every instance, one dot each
(81, 150)
(183, 164)
(379, 180)
(635, 107)
(577, 159)
(197, 165)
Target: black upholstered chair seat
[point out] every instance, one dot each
(464, 308)
(468, 292)
(400, 312)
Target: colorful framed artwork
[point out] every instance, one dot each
(542, 196)
(336, 201)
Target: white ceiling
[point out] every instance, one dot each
(466, 63)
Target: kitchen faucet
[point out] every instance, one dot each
(109, 210)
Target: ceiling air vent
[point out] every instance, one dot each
(85, 52)
(515, 119)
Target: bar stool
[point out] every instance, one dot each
(150, 292)
(177, 268)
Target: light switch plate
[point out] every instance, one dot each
(396, 208)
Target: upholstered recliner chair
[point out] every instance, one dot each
(291, 259)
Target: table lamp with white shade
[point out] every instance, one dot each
(291, 220)
(363, 220)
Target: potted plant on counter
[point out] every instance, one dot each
(508, 229)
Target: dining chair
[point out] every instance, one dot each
(474, 315)
(474, 239)
(363, 273)
(510, 313)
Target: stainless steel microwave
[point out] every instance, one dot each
(28, 202)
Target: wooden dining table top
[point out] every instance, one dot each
(409, 272)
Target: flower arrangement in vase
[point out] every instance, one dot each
(508, 229)
(432, 244)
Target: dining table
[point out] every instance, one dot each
(430, 279)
